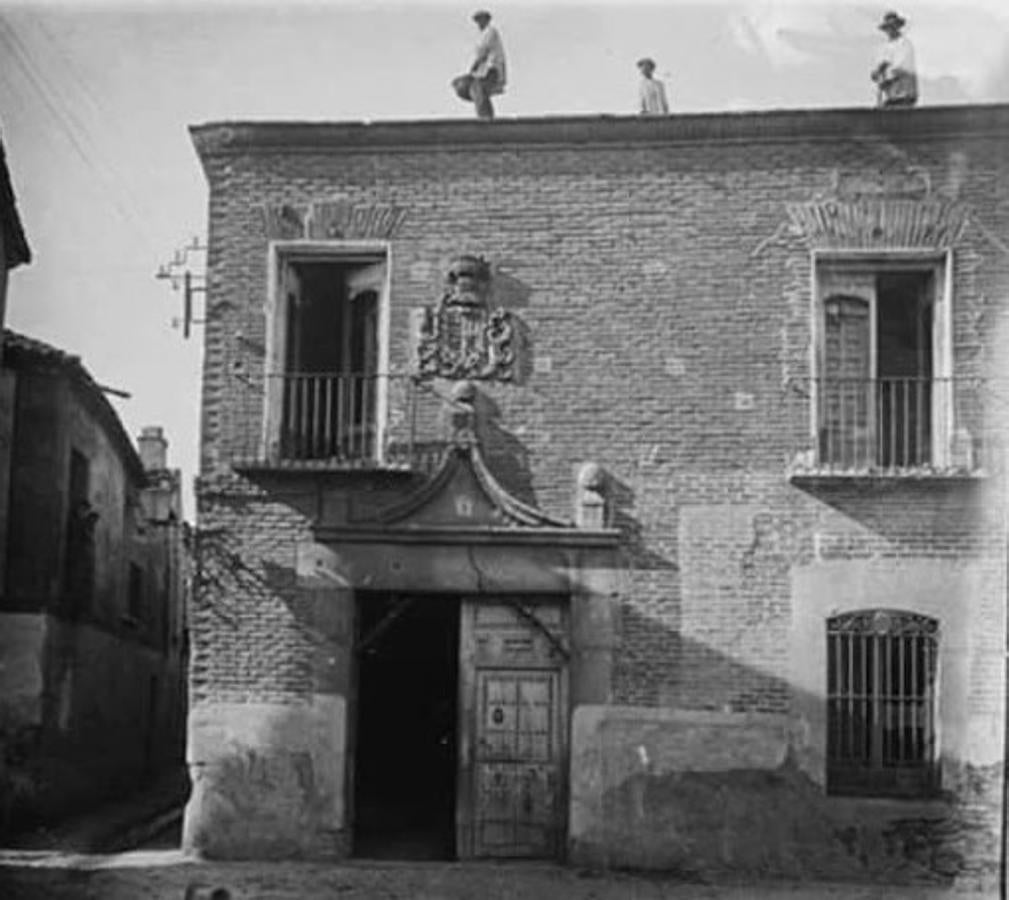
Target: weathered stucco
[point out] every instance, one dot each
(91, 678)
(720, 795)
(22, 637)
(971, 732)
(83, 714)
(267, 779)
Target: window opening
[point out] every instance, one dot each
(881, 674)
(79, 559)
(136, 592)
(330, 383)
(877, 383)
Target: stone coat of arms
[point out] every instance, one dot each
(461, 337)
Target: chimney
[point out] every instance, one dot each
(153, 448)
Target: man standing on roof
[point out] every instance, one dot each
(652, 92)
(895, 74)
(488, 69)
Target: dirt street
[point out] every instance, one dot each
(163, 874)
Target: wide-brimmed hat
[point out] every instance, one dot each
(481, 14)
(463, 86)
(892, 20)
(646, 62)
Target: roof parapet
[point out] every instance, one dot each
(233, 137)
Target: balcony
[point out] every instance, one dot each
(912, 427)
(330, 422)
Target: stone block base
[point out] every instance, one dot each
(268, 780)
(718, 796)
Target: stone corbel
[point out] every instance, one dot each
(590, 501)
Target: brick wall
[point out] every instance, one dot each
(657, 285)
(666, 301)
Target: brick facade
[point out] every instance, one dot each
(661, 275)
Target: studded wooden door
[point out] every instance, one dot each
(513, 763)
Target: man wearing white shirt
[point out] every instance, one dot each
(488, 69)
(895, 74)
(652, 92)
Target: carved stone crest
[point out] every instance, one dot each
(879, 208)
(461, 337)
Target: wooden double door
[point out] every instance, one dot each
(511, 797)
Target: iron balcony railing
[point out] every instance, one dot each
(335, 421)
(327, 417)
(895, 425)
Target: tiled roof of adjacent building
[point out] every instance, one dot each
(15, 244)
(21, 352)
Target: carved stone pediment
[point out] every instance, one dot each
(890, 206)
(879, 208)
(879, 222)
(461, 337)
(332, 219)
(464, 493)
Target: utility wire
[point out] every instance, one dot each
(111, 124)
(75, 131)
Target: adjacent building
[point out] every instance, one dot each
(626, 491)
(14, 249)
(95, 573)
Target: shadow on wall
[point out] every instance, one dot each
(772, 823)
(620, 502)
(506, 456)
(661, 667)
(20, 779)
(916, 514)
(525, 351)
(507, 291)
(266, 763)
(511, 294)
(718, 792)
(105, 722)
(708, 784)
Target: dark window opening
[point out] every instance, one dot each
(904, 368)
(79, 551)
(876, 390)
(881, 670)
(407, 730)
(136, 592)
(330, 380)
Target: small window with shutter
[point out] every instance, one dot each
(884, 387)
(326, 388)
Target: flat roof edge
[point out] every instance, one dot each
(232, 137)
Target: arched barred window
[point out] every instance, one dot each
(881, 703)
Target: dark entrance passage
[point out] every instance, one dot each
(407, 730)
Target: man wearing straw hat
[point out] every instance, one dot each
(895, 76)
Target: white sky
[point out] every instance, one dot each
(95, 99)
